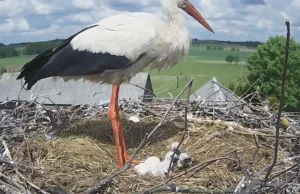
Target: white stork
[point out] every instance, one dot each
(115, 49)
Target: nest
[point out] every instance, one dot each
(84, 153)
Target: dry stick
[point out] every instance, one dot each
(242, 184)
(144, 89)
(185, 126)
(174, 188)
(106, 180)
(284, 171)
(281, 98)
(32, 184)
(17, 165)
(8, 188)
(17, 171)
(209, 162)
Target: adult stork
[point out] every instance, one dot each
(115, 49)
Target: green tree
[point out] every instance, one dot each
(229, 59)
(266, 64)
(236, 58)
(208, 48)
(39, 47)
(220, 47)
(8, 51)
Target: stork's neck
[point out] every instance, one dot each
(174, 14)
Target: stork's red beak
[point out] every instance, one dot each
(192, 11)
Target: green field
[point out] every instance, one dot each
(201, 64)
(13, 62)
(201, 72)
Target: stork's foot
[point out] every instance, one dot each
(126, 157)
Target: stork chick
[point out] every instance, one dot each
(183, 160)
(154, 167)
(147, 166)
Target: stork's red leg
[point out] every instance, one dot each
(126, 156)
(113, 112)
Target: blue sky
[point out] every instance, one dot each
(235, 20)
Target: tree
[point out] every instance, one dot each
(220, 47)
(8, 51)
(236, 58)
(265, 66)
(39, 47)
(208, 48)
(229, 59)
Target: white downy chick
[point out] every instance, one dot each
(183, 160)
(163, 167)
(147, 166)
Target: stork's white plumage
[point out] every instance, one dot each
(115, 49)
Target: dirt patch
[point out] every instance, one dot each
(84, 153)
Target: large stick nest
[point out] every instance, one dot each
(84, 153)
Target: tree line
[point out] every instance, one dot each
(39, 47)
(27, 49)
(8, 51)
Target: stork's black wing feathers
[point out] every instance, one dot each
(65, 61)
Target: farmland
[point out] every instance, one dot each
(201, 64)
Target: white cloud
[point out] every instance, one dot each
(236, 20)
(14, 24)
(86, 4)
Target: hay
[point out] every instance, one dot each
(84, 153)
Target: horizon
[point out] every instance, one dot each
(191, 38)
(243, 20)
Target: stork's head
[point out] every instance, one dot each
(189, 8)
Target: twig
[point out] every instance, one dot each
(14, 164)
(144, 89)
(242, 184)
(281, 98)
(147, 137)
(8, 188)
(185, 126)
(284, 171)
(176, 189)
(31, 184)
(14, 182)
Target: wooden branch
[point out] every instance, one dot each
(281, 98)
(176, 189)
(185, 125)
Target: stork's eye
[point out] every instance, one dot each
(182, 3)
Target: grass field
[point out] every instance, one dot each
(201, 64)
(13, 62)
(201, 73)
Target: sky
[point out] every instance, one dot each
(234, 20)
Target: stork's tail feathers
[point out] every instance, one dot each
(31, 69)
